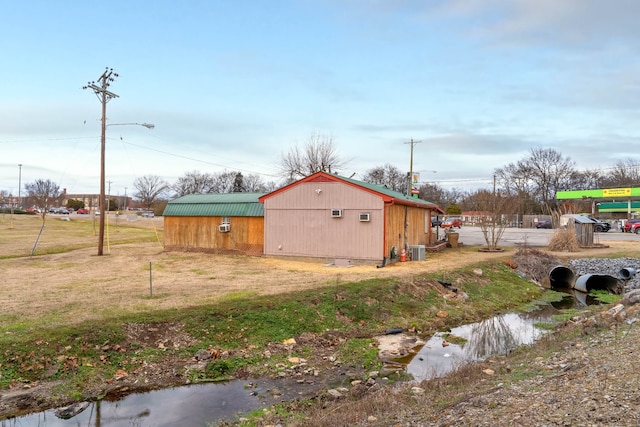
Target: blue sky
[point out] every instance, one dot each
(231, 85)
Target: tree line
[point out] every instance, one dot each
(529, 185)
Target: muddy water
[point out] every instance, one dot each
(446, 351)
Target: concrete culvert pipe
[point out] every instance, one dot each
(561, 277)
(627, 273)
(597, 282)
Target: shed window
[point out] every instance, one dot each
(226, 220)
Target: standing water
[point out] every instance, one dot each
(195, 405)
(445, 352)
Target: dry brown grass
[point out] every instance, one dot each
(564, 240)
(77, 285)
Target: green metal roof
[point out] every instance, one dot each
(228, 204)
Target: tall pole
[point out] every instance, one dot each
(104, 96)
(409, 188)
(19, 185)
(410, 185)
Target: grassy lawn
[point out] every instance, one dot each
(83, 321)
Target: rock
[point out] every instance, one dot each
(631, 298)
(334, 394)
(613, 311)
(477, 271)
(442, 314)
(202, 355)
(488, 371)
(417, 390)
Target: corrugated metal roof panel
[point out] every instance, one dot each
(231, 204)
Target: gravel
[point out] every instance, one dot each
(608, 266)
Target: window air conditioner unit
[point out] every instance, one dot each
(365, 216)
(224, 228)
(336, 213)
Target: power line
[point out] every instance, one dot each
(194, 159)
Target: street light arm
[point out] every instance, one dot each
(147, 125)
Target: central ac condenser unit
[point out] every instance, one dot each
(418, 252)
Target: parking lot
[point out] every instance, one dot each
(537, 237)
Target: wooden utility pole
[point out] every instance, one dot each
(409, 188)
(410, 185)
(104, 95)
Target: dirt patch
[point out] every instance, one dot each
(167, 335)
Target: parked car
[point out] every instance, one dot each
(435, 221)
(544, 223)
(631, 225)
(82, 211)
(60, 211)
(451, 223)
(147, 214)
(601, 226)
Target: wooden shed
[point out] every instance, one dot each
(336, 218)
(215, 223)
(583, 227)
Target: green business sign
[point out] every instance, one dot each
(606, 193)
(618, 207)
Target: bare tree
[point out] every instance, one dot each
(542, 175)
(42, 193)
(193, 183)
(590, 178)
(388, 175)
(318, 155)
(255, 184)
(223, 182)
(625, 173)
(149, 189)
(435, 194)
(494, 212)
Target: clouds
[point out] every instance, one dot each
(234, 85)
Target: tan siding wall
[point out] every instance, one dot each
(201, 234)
(298, 222)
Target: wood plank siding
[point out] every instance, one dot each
(298, 222)
(201, 234)
(418, 229)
